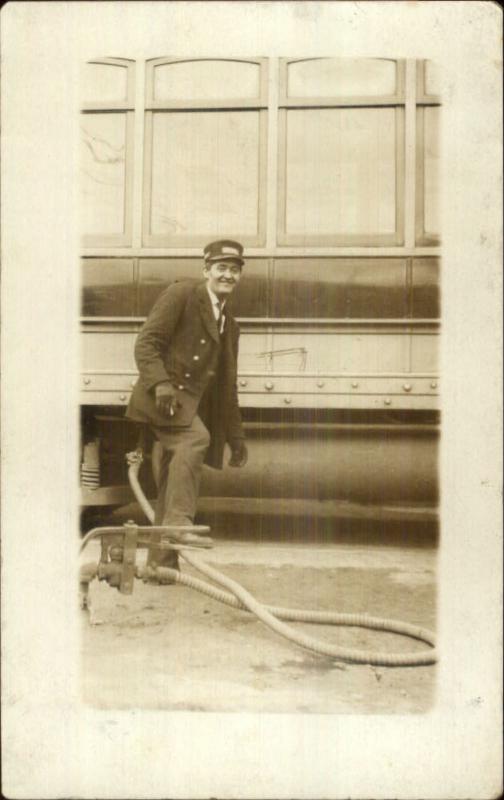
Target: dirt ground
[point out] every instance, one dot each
(170, 647)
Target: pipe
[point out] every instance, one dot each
(272, 616)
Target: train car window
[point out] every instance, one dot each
(212, 186)
(427, 185)
(428, 81)
(213, 114)
(106, 157)
(340, 176)
(431, 169)
(341, 145)
(206, 79)
(103, 173)
(425, 288)
(104, 82)
(432, 78)
(155, 274)
(341, 77)
(338, 288)
(108, 289)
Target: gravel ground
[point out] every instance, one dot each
(173, 648)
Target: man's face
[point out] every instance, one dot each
(222, 277)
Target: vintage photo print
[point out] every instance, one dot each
(251, 473)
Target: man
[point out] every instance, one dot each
(186, 355)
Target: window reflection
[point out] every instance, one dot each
(338, 288)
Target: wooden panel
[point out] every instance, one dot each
(342, 352)
(425, 289)
(252, 345)
(108, 351)
(337, 77)
(424, 353)
(107, 287)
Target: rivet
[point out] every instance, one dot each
(407, 387)
(320, 384)
(243, 382)
(355, 385)
(87, 381)
(433, 385)
(122, 397)
(202, 341)
(187, 375)
(133, 383)
(195, 358)
(387, 401)
(269, 386)
(180, 386)
(287, 400)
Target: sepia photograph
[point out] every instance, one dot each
(260, 321)
(251, 409)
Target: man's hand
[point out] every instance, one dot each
(166, 402)
(239, 453)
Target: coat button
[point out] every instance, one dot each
(195, 358)
(187, 375)
(180, 386)
(202, 341)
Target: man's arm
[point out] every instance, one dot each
(154, 338)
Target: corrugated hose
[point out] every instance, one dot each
(272, 616)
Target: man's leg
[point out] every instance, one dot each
(181, 466)
(180, 475)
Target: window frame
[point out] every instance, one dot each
(286, 103)
(423, 238)
(126, 107)
(335, 101)
(258, 104)
(115, 105)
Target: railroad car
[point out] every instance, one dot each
(326, 169)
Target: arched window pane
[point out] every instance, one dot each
(341, 171)
(431, 169)
(340, 77)
(205, 173)
(206, 80)
(432, 78)
(104, 82)
(103, 140)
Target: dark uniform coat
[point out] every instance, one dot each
(180, 343)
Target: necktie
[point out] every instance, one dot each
(220, 319)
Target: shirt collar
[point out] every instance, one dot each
(215, 300)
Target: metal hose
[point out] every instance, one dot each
(272, 615)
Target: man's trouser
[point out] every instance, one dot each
(184, 450)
